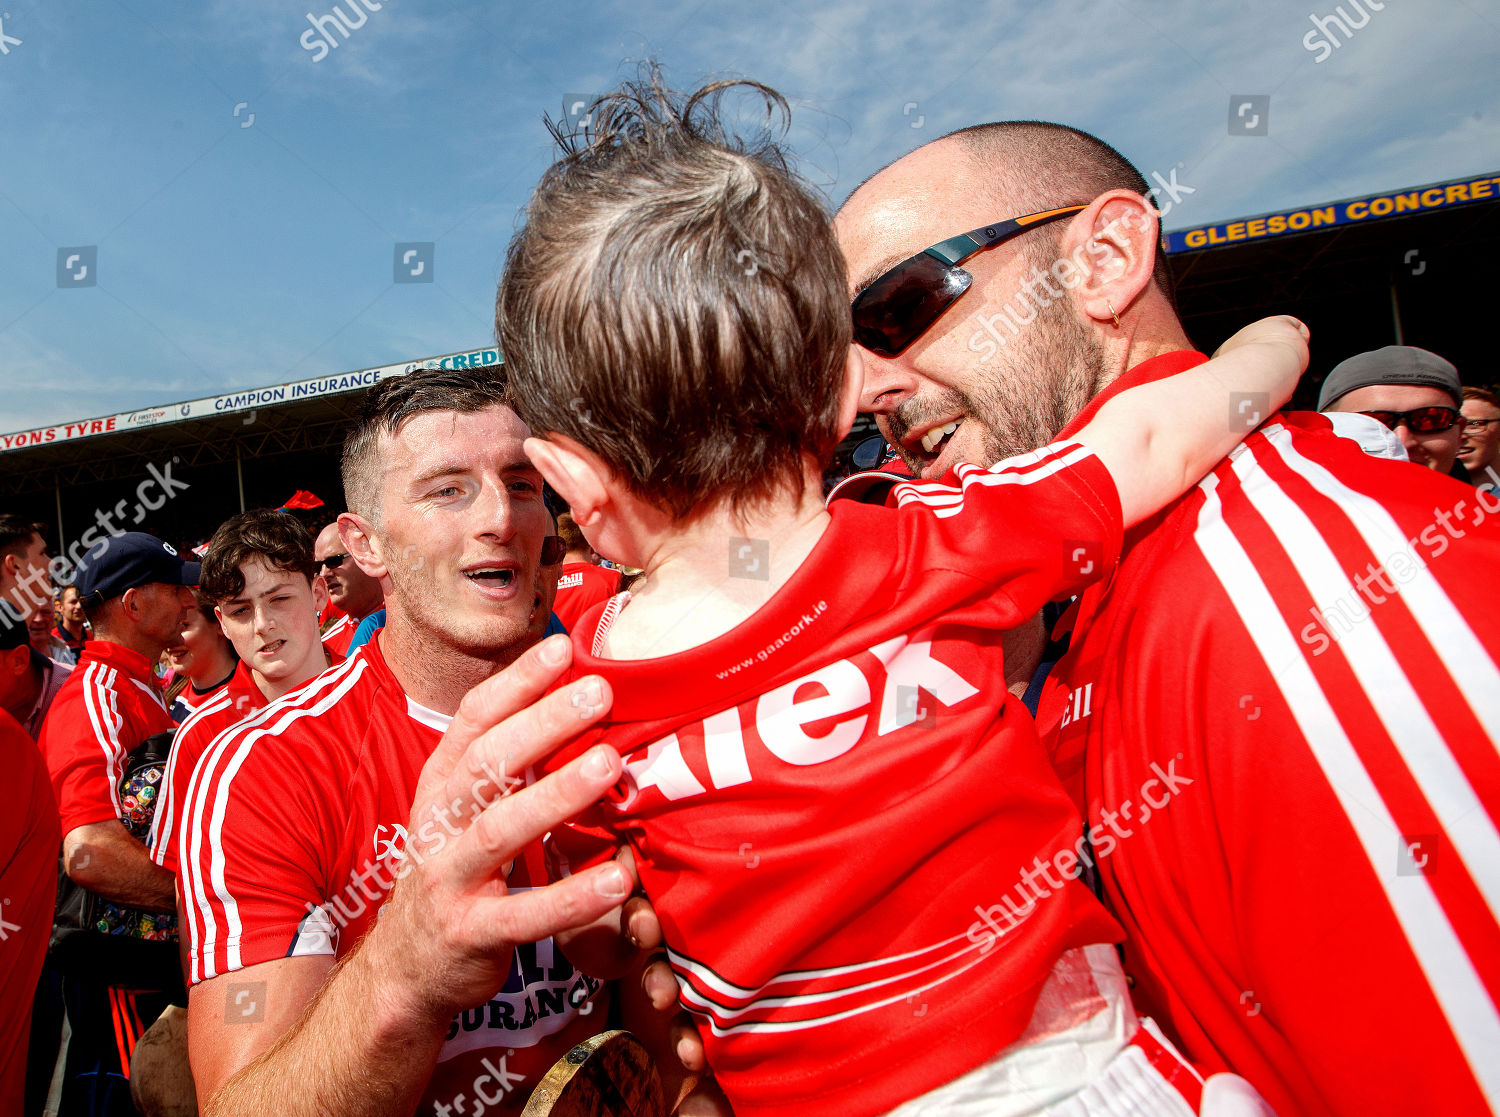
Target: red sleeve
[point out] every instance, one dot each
(1034, 528)
(1289, 709)
(85, 739)
(250, 863)
(191, 742)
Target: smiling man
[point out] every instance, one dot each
(1415, 393)
(260, 575)
(455, 999)
(1309, 895)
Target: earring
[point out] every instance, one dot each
(1112, 314)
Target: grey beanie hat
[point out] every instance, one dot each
(1395, 364)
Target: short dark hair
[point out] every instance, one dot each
(275, 536)
(570, 533)
(676, 300)
(1038, 165)
(16, 533)
(391, 403)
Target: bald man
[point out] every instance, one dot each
(349, 588)
(1274, 711)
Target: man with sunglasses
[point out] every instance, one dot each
(1415, 393)
(349, 588)
(1316, 909)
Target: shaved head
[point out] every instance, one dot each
(1051, 315)
(1026, 166)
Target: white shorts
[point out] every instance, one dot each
(1086, 1054)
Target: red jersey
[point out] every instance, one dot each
(236, 699)
(337, 638)
(580, 587)
(294, 821)
(29, 841)
(109, 705)
(862, 860)
(1316, 909)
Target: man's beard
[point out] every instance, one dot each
(1040, 380)
(499, 637)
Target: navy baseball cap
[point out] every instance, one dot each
(125, 562)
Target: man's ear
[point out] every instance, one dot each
(576, 474)
(320, 594)
(15, 662)
(1112, 248)
(849, 393)
(219, 616)
(358, 537)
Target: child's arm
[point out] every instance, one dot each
(1160, 439)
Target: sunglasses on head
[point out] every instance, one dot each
(903, 303)
(332, 561)
(1421, 420)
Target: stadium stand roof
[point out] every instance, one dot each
(1398, 267)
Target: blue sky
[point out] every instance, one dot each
(246, 193)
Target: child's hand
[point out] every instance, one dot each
(1280, 329)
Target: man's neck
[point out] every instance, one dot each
(703, 579)
(359, 611)
(1152, 335)
(431, 671)
(135, 641)
(75, 633)
(213, 673)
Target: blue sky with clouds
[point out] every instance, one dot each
(246, 191)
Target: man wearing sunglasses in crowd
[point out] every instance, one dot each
(1415, 393)
(1310, 894)
(350, 589)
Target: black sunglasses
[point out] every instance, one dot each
(332, 560)
(1420, 420)
(903, 303)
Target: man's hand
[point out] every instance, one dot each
(366, 1039)
(449, 926)
(1279, 329)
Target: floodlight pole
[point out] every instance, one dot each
(1396, 312)
(239, 475)
(57, 490)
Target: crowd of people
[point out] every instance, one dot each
(1095, 756)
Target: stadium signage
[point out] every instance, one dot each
(1352, 211)
(241, 401)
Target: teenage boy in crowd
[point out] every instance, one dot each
(262, 583)
(833, 703)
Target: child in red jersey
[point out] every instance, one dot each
(829, 788)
